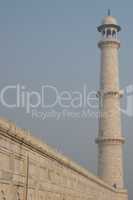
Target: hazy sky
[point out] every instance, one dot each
(54, 42)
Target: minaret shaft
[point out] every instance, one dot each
(109, 66)
(110, 140)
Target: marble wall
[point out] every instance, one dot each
(31, 170)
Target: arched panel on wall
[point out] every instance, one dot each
(18, 196)
(2, 195)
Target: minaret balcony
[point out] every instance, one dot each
(117, 93)
(108, 140)
(110, 41)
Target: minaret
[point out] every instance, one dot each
(110, 140)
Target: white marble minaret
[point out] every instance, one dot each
(110, 140)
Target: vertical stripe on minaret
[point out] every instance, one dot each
(110, 140)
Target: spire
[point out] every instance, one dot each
(109, 12)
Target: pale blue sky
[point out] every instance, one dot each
(55, 42)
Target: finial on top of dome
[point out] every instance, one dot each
(109, 12)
